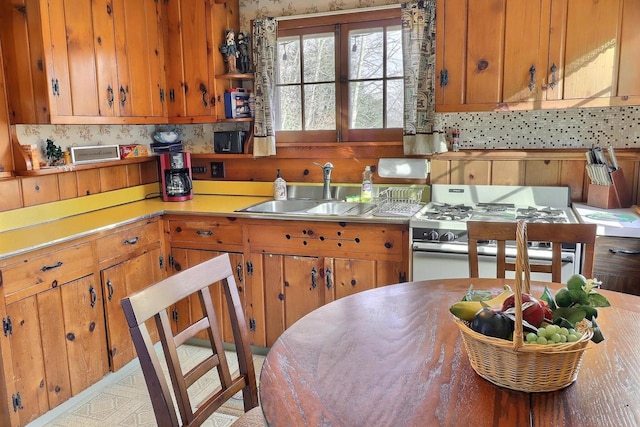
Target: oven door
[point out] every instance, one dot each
(443, 261)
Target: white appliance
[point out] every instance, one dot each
(439, 230)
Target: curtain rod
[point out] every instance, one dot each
(338, 12)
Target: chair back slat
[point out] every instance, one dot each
(556, 234)
(153, 302)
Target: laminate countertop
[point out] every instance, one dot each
(611, 222)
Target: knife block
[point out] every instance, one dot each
(611, 196)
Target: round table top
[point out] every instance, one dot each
(393, 356)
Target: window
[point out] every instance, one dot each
(340, 78)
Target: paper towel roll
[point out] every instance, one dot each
(404, 168)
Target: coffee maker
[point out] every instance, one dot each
(175, 177)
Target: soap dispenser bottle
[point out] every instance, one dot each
(366, 191)
(279, 188)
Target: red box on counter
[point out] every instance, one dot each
(129, 151)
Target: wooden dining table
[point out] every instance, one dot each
(393, 356)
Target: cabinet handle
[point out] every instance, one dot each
(204, 232)
(314, 280)
(532, 79)
(131, 241)
(623, 251)
(123, 96)
(329, 279)
(239, 270)
(110, 287)
(94, 296)
(554, 68)
(203, 89)
(51, 267)
(110, 98)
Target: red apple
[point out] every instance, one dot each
(534, 313)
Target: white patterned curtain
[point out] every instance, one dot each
(421, 135)
(265, 32)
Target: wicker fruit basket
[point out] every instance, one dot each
(514, 365)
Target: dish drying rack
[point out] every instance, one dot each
(398, 201)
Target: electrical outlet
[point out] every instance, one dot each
(217, 169)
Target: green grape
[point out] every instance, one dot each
(551, 329)
(563, 331)
(541, 340)
(542, 332)
(532, 337)
(555, 338)
(572, 338)
(563, 338)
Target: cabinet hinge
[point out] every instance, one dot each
(1, 278)
(252, 324)
(249, 268)
(17, 402)
(161, 261)
(402, 277)
(444, 78)
(171, 261)
(55, 87)
(172, 95)
(161, 95)
(7, 327)
(174, 315)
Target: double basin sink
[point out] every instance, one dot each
(307, 200)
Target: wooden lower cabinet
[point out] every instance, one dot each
(57, 346)
(118, 281)
(190, 308)
(617, 263)
(299, 266)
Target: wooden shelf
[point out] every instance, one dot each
(236, 76)
(220, 156)
(83, 166)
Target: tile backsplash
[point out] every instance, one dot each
(548, 129)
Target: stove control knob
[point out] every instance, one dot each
(432, 235)
(448, 237)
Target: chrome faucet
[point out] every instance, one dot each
(326, 173)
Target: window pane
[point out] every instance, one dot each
(395, 101)
(366, 53)
(394, 52)
(320, 106)
(319, 58)
(288, 60)
(289, 113)
(365, 100)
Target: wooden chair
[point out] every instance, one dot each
(536, 232)
(152, 302)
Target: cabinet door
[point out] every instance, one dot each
(190, 53)
(140, 58)
(617, 264)
(451, 42)
(629, 78)
(6, 159)
(84, 330)
(72, 65)
(351, 276)
(303, 291)
(28, 359)
(119, 281)
(591, 49)
(225, 15)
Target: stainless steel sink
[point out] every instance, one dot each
(281, 206)
(311, 207)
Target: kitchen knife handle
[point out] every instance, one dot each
(623, 251)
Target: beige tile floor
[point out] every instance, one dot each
(122, 399)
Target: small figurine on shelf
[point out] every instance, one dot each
(54, 154)
(243, 49)
(230, 51)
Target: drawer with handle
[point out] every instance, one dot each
(211, 232)
(128, 240)
(30, 275)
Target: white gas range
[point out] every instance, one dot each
(438, 231)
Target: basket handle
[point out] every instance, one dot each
(522, 285)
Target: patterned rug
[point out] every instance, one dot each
(122, 399)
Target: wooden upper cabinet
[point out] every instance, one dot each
(522, 54)
(194, 33)
(6, 158)
(592, 47)
(81, 61)
(629, 78)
